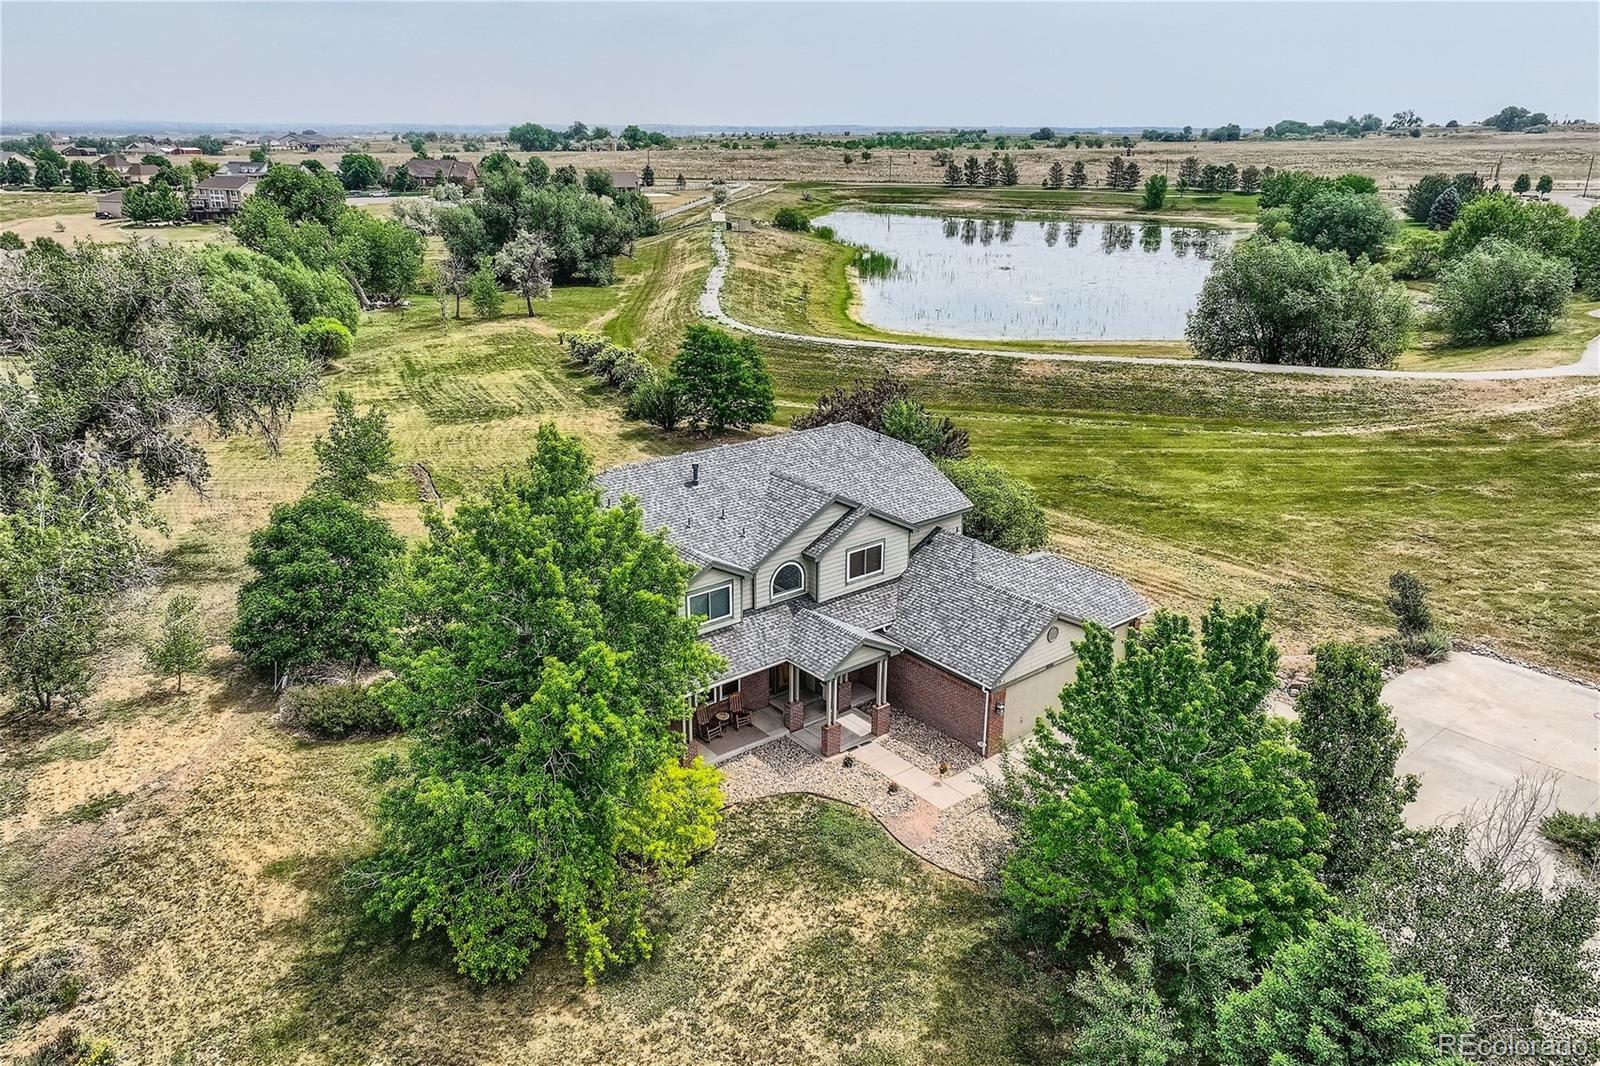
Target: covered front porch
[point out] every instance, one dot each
(824, 715)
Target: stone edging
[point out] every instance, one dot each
(887, 828)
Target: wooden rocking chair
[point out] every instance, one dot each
(741, 713)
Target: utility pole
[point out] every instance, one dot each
(1587, 176)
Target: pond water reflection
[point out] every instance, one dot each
(1030, 279)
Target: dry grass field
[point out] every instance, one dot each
(1394, 161)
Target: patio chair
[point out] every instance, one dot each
(741, 713)
(711, 730)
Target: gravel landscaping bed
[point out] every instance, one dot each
(925, 747)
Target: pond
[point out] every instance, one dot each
(1060, 279)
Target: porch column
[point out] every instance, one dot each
(794, 711)
(832, 731)
(880, 709)
(794, 682)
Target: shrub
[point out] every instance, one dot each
(10, 241)
(584, 346)
(1281, 302)
(791, 219)
(825, 232)
(1408, 602)
(1005, 511)
(326, 340)
(869, 402)
(1155, 192)
(339, 710)
(1501, 291)
(1418, 255)
(1586, 253)
(43, 985)
(484, 291)
(655, 400)
(69, 1048)
(1546, 228)
(1578, 833)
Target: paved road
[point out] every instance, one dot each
(1474, 723)
(711, 307)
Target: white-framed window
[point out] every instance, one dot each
(713, 604)
(787, 580)
(865, 561)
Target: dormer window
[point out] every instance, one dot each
(714, 605)
(788, 580)
(864, 562)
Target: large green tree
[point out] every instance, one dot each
(321, 565)
(1282, 302)
(1357, 224)
(125, 349)
(1161, 768)
(1353, 742)
(1546, 228)
(722, 382)
(358, 170)
(1333, 998)
(541, 665)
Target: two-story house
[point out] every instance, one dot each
(832, 575)
(221, 195)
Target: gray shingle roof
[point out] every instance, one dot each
(845, 524)
(752, 496)
(795, 631)
(974, 609)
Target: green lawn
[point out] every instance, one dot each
(15, 206)
(1197, 483)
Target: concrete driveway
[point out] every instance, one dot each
(1473, 724)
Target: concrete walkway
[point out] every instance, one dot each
(1473, 724)
(1588, 364)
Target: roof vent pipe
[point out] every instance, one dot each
(694, 474)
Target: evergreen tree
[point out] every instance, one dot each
(1333, 998)
(1188, 173)
(1114, 172)
(647, 176)
(1545, 185)
(1057, 176)
(1446, 206)
(1078, 175)
(952, 174)
(1522, 184)
(991, 170)
(972, 170)
(681, 181)
(1353, 743)
(1130, 176)
(1249, 180)
(1008, 170)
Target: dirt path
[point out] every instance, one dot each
(1588, 365)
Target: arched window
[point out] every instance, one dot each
(788, 579)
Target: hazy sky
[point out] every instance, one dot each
(907, 63)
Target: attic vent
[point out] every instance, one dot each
(694, 474)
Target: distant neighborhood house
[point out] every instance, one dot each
(242, 166)
(108, 204)
(433, 171)
(221, 195)
(625, 179)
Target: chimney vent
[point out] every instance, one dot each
(694, 474)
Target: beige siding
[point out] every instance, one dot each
(861, 657)
(1045, 652)
(831, 567)
(1029, 698)
(710, 578)
(791, 552)
(949, 525)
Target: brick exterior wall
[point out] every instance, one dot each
(753, 691)
(997, 722)
(939, 699)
